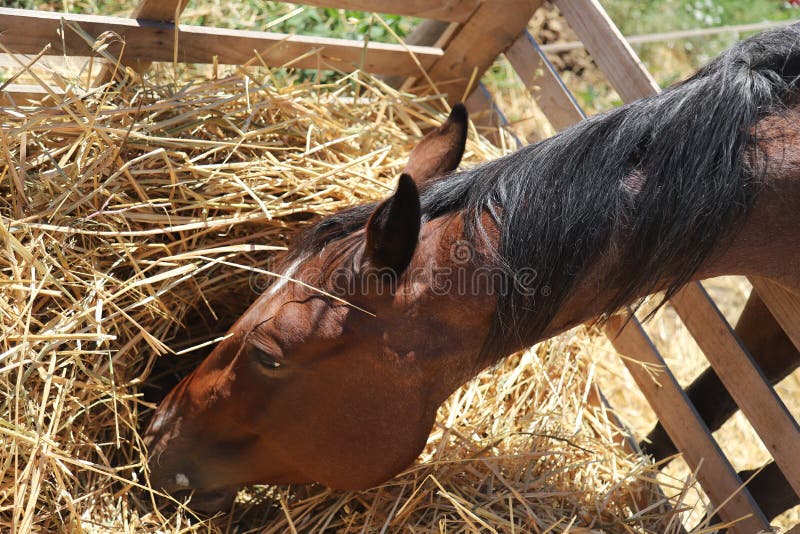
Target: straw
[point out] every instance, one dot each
(140, 219)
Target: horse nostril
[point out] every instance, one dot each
(182, 481)
(169, 483)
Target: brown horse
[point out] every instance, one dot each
(334, 375)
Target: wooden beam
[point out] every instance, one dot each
(783, 304)
(608, 48)
(446, 10)
(19, 94)
(159, 10)
(543, 82)
(742, 378)
(685, 426)
(487, 116)
(491, 29)
(27, 32)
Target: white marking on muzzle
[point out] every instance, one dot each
(182, 480)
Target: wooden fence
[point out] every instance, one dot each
(470, 36)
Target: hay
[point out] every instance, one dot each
(137, 223)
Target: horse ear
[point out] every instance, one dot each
(441, 150)
(393, 228)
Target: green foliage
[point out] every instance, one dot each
(634, 17)
(346, 24)
(22, 4)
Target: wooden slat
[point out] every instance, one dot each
(157, 10)
(487, 116)
(783, 304)
(685, 426)
(491, 29)
(28, 32)
(446, 10)
(608, 48)
(19, 94)
(543, 82)
(742, 378)
(160, 10)
(426, 33)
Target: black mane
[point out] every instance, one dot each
(659, 182)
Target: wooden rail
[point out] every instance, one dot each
(28, 32)
(609, 49)
(446, 10)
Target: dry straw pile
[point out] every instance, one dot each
(136, 224)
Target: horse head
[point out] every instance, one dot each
(335, 373)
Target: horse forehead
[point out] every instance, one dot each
(296, 320)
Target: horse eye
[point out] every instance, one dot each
(269, 362)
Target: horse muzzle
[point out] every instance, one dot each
(182, 488)
(210, 502)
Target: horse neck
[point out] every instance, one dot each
(766, 245)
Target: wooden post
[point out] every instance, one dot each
(543, 82)
(608, 48)
(158, 10)
(490, 30)
(483, 111)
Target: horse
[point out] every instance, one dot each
(335, 373)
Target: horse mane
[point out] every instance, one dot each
(658, 182)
